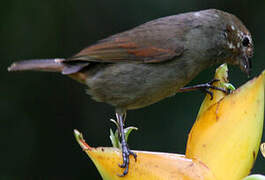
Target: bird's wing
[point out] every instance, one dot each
(128, 50)
(152, 42)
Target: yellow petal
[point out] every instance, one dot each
(227, 133)
(149, 165)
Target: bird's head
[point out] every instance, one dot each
(239, 43)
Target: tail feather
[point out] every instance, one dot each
(51, 65)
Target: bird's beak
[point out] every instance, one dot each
(245, 65)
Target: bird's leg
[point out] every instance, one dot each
(126, 152)
(204, 87)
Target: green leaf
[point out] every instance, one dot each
(114, 139)
(115, 122)
(128, 130)
(229, 86)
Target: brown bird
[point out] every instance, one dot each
(155, 60)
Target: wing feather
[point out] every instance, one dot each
(156, 41)
(134, 52)
(153, 42)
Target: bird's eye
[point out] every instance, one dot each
(245, 41)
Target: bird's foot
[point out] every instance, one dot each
(126, 152)
(205, 87)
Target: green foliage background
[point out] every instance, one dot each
(39, 111)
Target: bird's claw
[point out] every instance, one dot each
(210, 85)
(126, 152)
(209, 92)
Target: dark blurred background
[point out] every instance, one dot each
(40, 110)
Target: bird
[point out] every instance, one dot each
(141, 66)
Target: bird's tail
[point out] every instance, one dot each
(51, 65)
